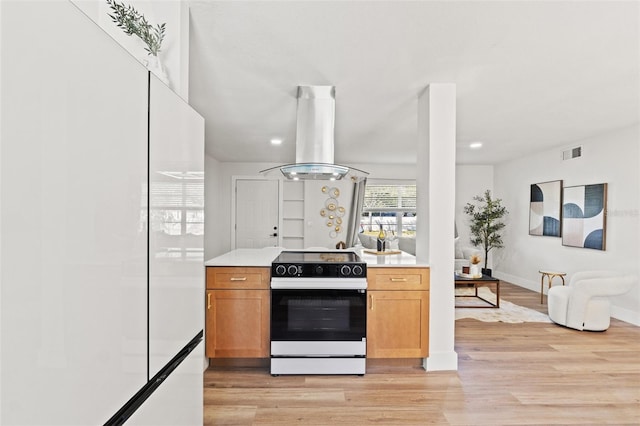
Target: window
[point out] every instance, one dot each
(392, 205)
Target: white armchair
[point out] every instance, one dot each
(584, 303)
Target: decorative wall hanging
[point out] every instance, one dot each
(332, 211)
(584, 216)
(544, 208)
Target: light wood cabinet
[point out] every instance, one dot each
(398, 312)
(237, 312)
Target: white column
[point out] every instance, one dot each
(436, 210)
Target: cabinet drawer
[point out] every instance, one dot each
(237, 278)
(398, 278)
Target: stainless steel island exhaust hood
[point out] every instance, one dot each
(315, 128)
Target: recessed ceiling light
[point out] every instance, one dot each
(276, 141)
(475, 145)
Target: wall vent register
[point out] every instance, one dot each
(572, 153)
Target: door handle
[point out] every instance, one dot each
(275, 234)
(208, 300)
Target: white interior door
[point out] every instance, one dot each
(257, 213)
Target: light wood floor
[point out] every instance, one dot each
(508, 374)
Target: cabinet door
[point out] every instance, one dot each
(398, 324)
(176, 223)
(178, 400)
(237, 323)
(73, 258)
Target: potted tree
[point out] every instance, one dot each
(486, 216)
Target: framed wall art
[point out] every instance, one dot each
(584, 216)
(544, 208)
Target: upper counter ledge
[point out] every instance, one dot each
(402, 259)
(264, 256)
(246, 257)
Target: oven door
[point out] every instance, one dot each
(318, 315)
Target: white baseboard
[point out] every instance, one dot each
(519, 281)
(626, 315)
(441, 361)
(617, 312)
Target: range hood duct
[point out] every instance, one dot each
(315, 129)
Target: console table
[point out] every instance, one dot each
(484, 280)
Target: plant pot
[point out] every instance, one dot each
(486, 271)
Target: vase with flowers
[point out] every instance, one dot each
(474, 267)
(135, 23)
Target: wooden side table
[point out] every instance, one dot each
(550, 276)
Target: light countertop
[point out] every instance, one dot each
(246, 257)
(264, 256)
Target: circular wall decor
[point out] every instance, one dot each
(332, 210)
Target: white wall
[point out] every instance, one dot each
(218, 195)
(316, 231)
(612, 158)
(217, 207)
(470, 181)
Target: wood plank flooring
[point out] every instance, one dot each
(508, 374)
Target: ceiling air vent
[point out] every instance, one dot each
(572, 153)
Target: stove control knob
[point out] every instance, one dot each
(292, 270)
(318, 270)
(357, 270)
(280, 270)
(345, 270)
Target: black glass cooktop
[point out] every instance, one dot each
(318, 264)
(317, 257)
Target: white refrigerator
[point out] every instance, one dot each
(101, 230)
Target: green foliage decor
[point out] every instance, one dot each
(133, 22)
(486, 222)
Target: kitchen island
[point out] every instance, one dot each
(238, 304)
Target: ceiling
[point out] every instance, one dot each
(530, 75)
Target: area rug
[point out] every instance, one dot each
(507, 312)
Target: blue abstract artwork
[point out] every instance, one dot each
(584, 216)
(544, 209)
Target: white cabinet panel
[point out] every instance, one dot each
(73, 256)
(176, 239)
(178, 400)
